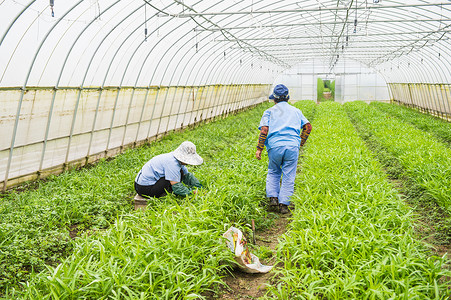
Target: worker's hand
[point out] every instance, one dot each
(258, 154)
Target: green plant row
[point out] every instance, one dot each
(307, 107)
(35, 223)
(174, 248)
(436, 126)
(351, 236)
(425, 160)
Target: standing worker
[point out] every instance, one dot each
(167, 173)
(280, 131)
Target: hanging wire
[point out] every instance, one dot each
(98, 9)
(52, 3)
(196, 38)
(355, 19)
(145, 21)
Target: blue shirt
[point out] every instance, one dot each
(163, 165)
(285, 122)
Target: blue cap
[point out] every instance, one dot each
(280, 92)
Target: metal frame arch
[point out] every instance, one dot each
(49, 57)
(432, 66)
(301, 54)
(212, 63)
(183, 70)
(57, 85)
(114, 26)
(101, 89)
(19, 106)
(229, 51)
(73, 44)
(120, 85)
(20, 40)
(15, 19)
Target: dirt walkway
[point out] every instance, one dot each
(242, 285)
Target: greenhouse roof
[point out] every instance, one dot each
(183, 42)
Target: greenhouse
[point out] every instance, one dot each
(93, 91)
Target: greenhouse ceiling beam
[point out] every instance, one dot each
(352, 53)
(14, 21)
(347, 49)
(376, 61)
(300, 10)
(322, 23)
(354, 42)
(361, 38)
(235, 39)
(335, 36)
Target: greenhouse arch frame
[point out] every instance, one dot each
(82, 80)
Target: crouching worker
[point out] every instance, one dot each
(167, 173)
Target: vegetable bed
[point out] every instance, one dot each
(351, 235)
(436, 126)
(425, 160)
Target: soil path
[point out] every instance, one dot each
(240, 285)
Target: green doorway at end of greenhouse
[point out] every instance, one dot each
(325, 90)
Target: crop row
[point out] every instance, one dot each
(351, 236)
(35, 223)
(424, 159)
(174, 248)
(436, 126)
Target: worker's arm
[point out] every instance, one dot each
(261, 141)
(190, 180)
(306, 129)
(180, 189)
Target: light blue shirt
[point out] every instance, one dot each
(285, 122)
(163, 165)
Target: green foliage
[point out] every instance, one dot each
(173, 248)
(307, 107)
(332, 89)
(325, 86)
(436, 126)
(320, 90)
(351, 236)
(425, 160)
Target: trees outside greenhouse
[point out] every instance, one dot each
(91, 90)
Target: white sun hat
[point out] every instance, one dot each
(186, 153)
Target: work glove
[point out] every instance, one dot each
(191, 181)
(181, 190)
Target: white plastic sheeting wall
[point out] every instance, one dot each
(431, 98)
(85, 125)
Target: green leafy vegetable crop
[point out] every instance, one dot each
(174, 249)
(351, 236)
(425, 160)
(438, 127)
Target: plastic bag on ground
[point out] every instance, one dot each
(247, 261)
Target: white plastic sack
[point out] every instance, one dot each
(247, 261)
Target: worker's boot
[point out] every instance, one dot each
(283, 208)
(273, 203)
